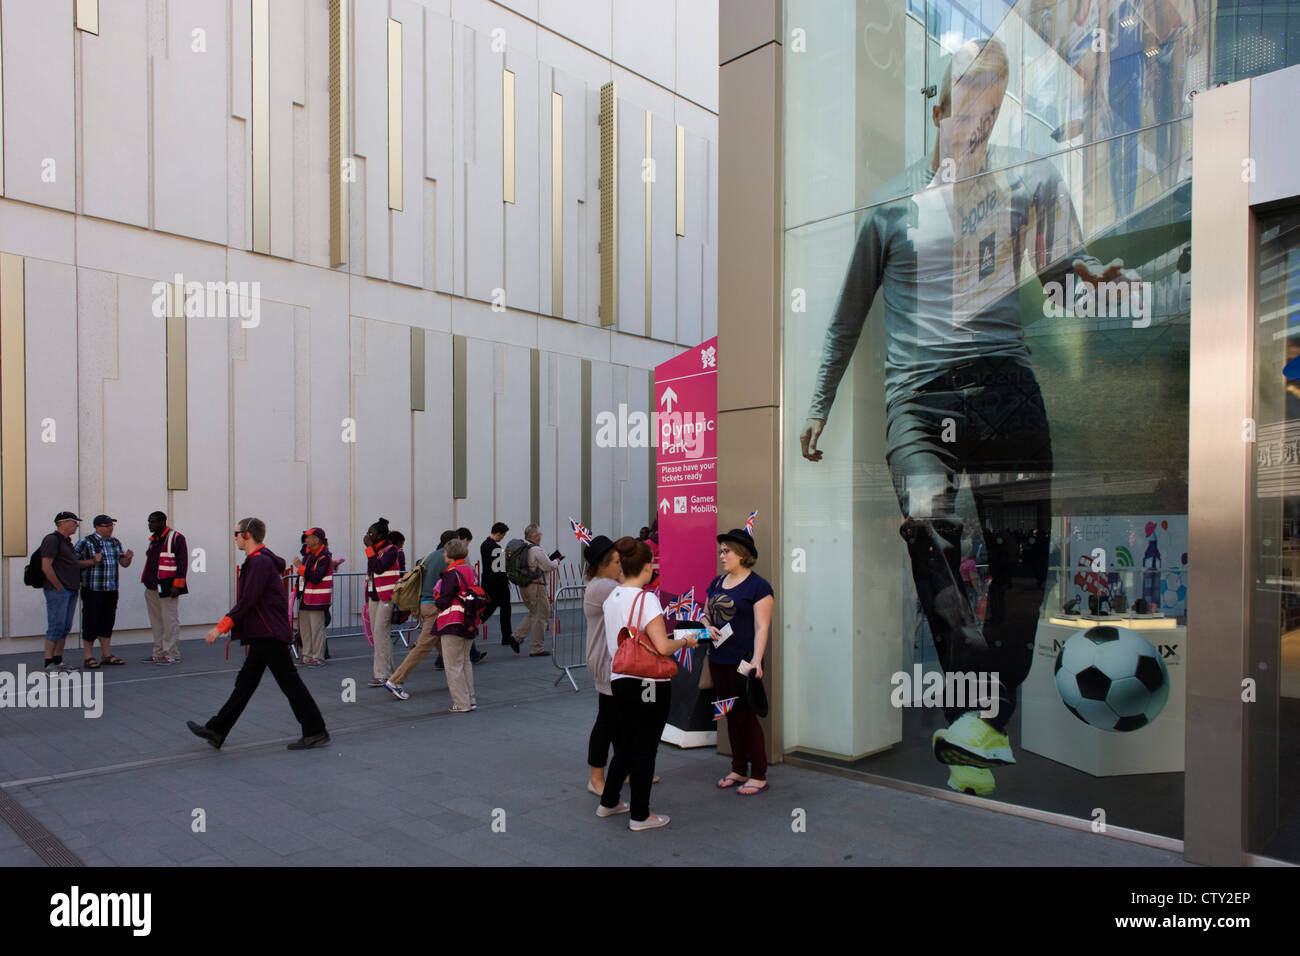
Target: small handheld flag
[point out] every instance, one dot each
(682, 608)
(723, 707)
(685, 658)
(749, 523)
(579, 532)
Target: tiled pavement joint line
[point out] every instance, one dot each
(241, 748)
(45, 844)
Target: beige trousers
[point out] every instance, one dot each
(165, 622)
(426, 642)
(311, 624)
(460, 672)
(533, 626)
(381, 629)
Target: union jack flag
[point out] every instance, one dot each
(697, 612)
(579, 532)
(723, 707)
(749, 522)
(685, 658)
(682, 608)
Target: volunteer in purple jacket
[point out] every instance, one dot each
(260, 621)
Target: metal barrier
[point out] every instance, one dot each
(568, 626)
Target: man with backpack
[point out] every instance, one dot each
(527, 566)
(60, 579)
(426, 573)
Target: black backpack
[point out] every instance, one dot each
(517, 569)
(34, 574)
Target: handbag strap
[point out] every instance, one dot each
(634, 615)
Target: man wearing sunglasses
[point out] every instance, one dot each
(260, 621)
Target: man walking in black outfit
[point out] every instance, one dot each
(495, 582)
(260, 621)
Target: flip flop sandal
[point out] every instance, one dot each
(90, 665)
(752, 791)
(726, 783)
(112, 660)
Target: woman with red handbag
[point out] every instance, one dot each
(639, 677)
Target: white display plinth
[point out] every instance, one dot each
(1047, 728)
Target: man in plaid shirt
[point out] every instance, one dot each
(99, 589)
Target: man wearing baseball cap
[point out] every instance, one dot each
(99, 589)
(62, 570)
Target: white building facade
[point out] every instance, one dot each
(431, 348)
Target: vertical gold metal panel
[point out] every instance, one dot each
(535, 435)
(681, 180)
(178, 441)
(609, 204)
(557, 204)
(338, 84)
(652, 479)
(649, 176)
(394, 115)
(88, 16)
(2, 119)
(459, 423)
(262, 126)
(507, 136)
(1220, 580)
(13, 407)
(585, 395)
(417, 370)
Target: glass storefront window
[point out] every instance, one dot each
(985, 382)
(1274, 715)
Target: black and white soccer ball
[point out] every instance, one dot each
(1112, 678)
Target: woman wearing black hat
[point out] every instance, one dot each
(603, 574)
(740, 600)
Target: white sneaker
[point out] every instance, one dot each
(603, 811)
(396, 690)
(652, 822)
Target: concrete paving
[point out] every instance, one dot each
(407, 783)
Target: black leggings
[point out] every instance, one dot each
(641, 709)
(602, 731)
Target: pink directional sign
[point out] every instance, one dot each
(686, 422)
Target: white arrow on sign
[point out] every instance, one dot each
(669, 396)
(664, 505)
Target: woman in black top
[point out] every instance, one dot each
(743, 601)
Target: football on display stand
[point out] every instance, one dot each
(1112, 678)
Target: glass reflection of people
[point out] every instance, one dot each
(959, 386)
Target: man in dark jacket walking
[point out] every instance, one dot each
(260, 621)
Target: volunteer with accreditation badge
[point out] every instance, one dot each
(99, 589)
(739, 613)
(260, 622)
(315, 570)
(165, 564)
(381, 577)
